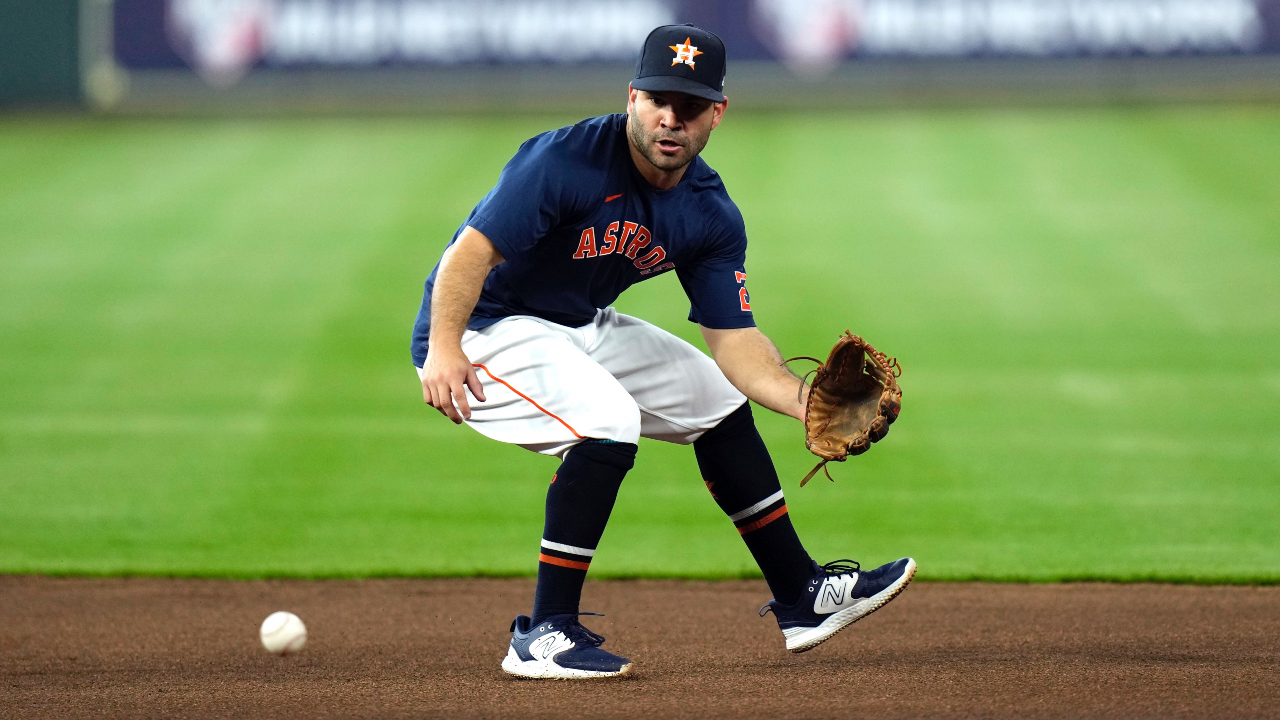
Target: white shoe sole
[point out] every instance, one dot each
(549, 670)
(802, 639)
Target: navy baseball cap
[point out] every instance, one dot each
(682, 58)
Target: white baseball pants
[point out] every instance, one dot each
(548, 387)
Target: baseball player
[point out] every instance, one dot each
(516, 338)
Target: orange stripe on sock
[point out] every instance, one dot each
(543, 557)
(763, 521)
(531, 401)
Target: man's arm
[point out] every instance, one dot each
(463, 269)
(754, 366)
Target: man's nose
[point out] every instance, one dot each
(669, 118)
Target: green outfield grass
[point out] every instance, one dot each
(204, 362)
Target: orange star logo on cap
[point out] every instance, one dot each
(685, 53)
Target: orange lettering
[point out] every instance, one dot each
(610, 239)
(586, 244)
(654, 257)
(627, 229)
(745, 299)
(641, 239)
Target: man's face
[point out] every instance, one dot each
(671, 128)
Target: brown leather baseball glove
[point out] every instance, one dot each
(854, 398)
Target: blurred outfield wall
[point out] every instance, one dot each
(39, 59)
(353, 55)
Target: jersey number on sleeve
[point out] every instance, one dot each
(743, 297)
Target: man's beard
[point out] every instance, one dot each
(646, 144)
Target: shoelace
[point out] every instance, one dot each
(838, 567)
(835, 568)
(579, 634)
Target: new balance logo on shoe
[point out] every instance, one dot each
(839, 594)
(559, 648)
(549, 645)
(834, 592)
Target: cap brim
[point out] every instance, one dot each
(671, 83)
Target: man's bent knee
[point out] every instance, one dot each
(615, 419)
(620, 455)
(734, 425)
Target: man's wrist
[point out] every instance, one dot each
(444, 341)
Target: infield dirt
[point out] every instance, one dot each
(147, 647)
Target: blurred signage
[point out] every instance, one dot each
(816, 33)
(223, 39)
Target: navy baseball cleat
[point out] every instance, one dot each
(560, 648)
(838, 596)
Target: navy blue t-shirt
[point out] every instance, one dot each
(577, 224)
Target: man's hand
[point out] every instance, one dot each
(443, 378)
(754, 366)
(458, 283)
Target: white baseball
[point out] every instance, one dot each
(283, 633)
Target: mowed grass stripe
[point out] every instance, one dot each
(206, 365)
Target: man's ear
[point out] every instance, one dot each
(718, 110)
(632, 96)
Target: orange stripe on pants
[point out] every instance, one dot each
(531, 400)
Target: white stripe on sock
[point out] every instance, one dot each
(567, 548)
(757, 507)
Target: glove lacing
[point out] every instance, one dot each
(799, 396)
(804, 380)
(888, 364)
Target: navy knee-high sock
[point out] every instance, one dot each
(579, 501)
(739, 473)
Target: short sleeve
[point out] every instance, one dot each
(531, 198)
(717, 282)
